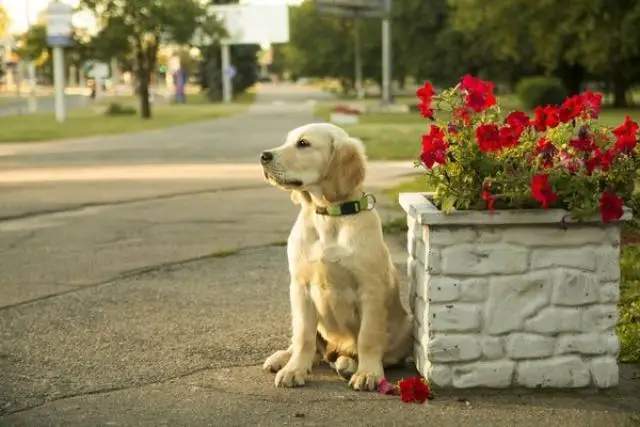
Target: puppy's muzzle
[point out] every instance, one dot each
(266, 157)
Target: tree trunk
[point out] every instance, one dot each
(145, 105)
(146, 59)
(620, 88)
(572, 77)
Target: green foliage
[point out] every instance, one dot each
(539, 91)
(590, 36)
(4, 21)
(117, 109)
(629, 323)
(139, 26)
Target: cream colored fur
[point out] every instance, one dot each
(344, 286)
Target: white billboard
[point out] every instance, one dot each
(255, 23)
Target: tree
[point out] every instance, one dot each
(4, 22)
(589, 36)
(145, 24)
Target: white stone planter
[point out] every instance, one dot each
(511, 298)
(344, 119)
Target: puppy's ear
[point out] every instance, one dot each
(299, 197)
(346, 170)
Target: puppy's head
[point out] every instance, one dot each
(316, 156)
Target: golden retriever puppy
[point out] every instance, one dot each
(345, 300)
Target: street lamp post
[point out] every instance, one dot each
(32, 103)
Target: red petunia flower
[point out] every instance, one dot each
(592, 102)
(509, 137)
(434, 147)
(600, 160)
(570, 162)
(479, 93)
(462, 115)
(488, 137)
(626, 135)
(547, 117)
(610, 207)
(488, 197)
(414, 389)
(583, 144)
(426, 94)
(571, 108)
(385, 387)
(518, 120)
(547, 151)
(541, 190)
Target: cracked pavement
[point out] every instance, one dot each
(144, 281)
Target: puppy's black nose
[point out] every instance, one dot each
(266, 157)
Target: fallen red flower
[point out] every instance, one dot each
(541, 190)
(414, 389)
(610, 207)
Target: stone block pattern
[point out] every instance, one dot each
(511, 305)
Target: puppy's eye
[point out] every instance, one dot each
(303, 143)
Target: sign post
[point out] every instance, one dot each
(244, 24)
(356, 10)
(59, 36)
(387, 93)
(99, 72)
(227, 93)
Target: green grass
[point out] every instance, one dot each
(394, 136)
(91, 121)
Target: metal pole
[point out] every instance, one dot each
(58, 82)
(32, 103)
(226, 78)
(18, 82)
(358, 58)
(387, 95)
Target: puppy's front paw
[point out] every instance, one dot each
(365, 381)
(291, 377)
(345, 367)
(276, 361)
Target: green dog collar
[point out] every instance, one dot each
(366, 203)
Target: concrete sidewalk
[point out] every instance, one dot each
(181, 345)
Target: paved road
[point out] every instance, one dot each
(144, 281)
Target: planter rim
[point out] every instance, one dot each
(420, 207)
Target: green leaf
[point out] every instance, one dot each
(448, 203)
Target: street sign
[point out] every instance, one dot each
(352, 8)
(99, 70)
(254, 23)
(59, 28)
